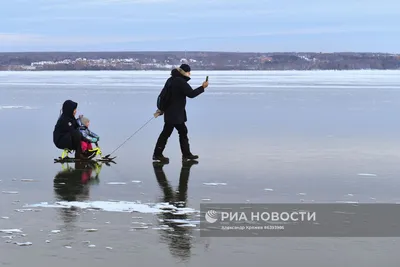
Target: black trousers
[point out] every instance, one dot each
(166, 133)
(71, 141)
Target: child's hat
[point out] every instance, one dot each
(84, 120)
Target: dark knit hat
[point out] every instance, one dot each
(185, 67)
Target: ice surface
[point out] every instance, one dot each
(180, 221)
(23, 210)
(139, 227)
(187, 225)
(91, 230)
(23, 244)
(117, 206)
(124, 80)
(10, 231)
(17, 107)
(141, 223)
(116, 183)
(214, 184)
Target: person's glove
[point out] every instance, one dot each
(158, 113)
(93, 140)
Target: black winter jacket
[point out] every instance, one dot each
(180, 89)
(66, 123)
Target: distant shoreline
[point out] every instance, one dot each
(202, 70)
(218, 61)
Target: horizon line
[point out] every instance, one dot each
(194, 51)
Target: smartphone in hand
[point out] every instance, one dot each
(206, 78)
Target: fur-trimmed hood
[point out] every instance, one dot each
(178, 72)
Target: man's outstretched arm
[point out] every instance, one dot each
(189, 92)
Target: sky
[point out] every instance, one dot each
(201, 25)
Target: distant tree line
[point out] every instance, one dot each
(201, 61)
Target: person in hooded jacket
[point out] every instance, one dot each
(175, 113)
(66, 134)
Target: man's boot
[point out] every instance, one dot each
(190, 157)
(158, 154)
(185, 148)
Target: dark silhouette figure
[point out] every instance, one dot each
(66, 134)
(179, 240)
(72, 184)
(175, 112)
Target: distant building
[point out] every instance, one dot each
(265, 59)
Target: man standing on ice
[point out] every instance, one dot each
(175, 112)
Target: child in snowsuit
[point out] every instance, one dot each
(83, 123)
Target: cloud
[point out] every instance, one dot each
(166, 17)
(136, 1)
(86, 19)
(92, 3)
(15, 37)
(23, 39)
